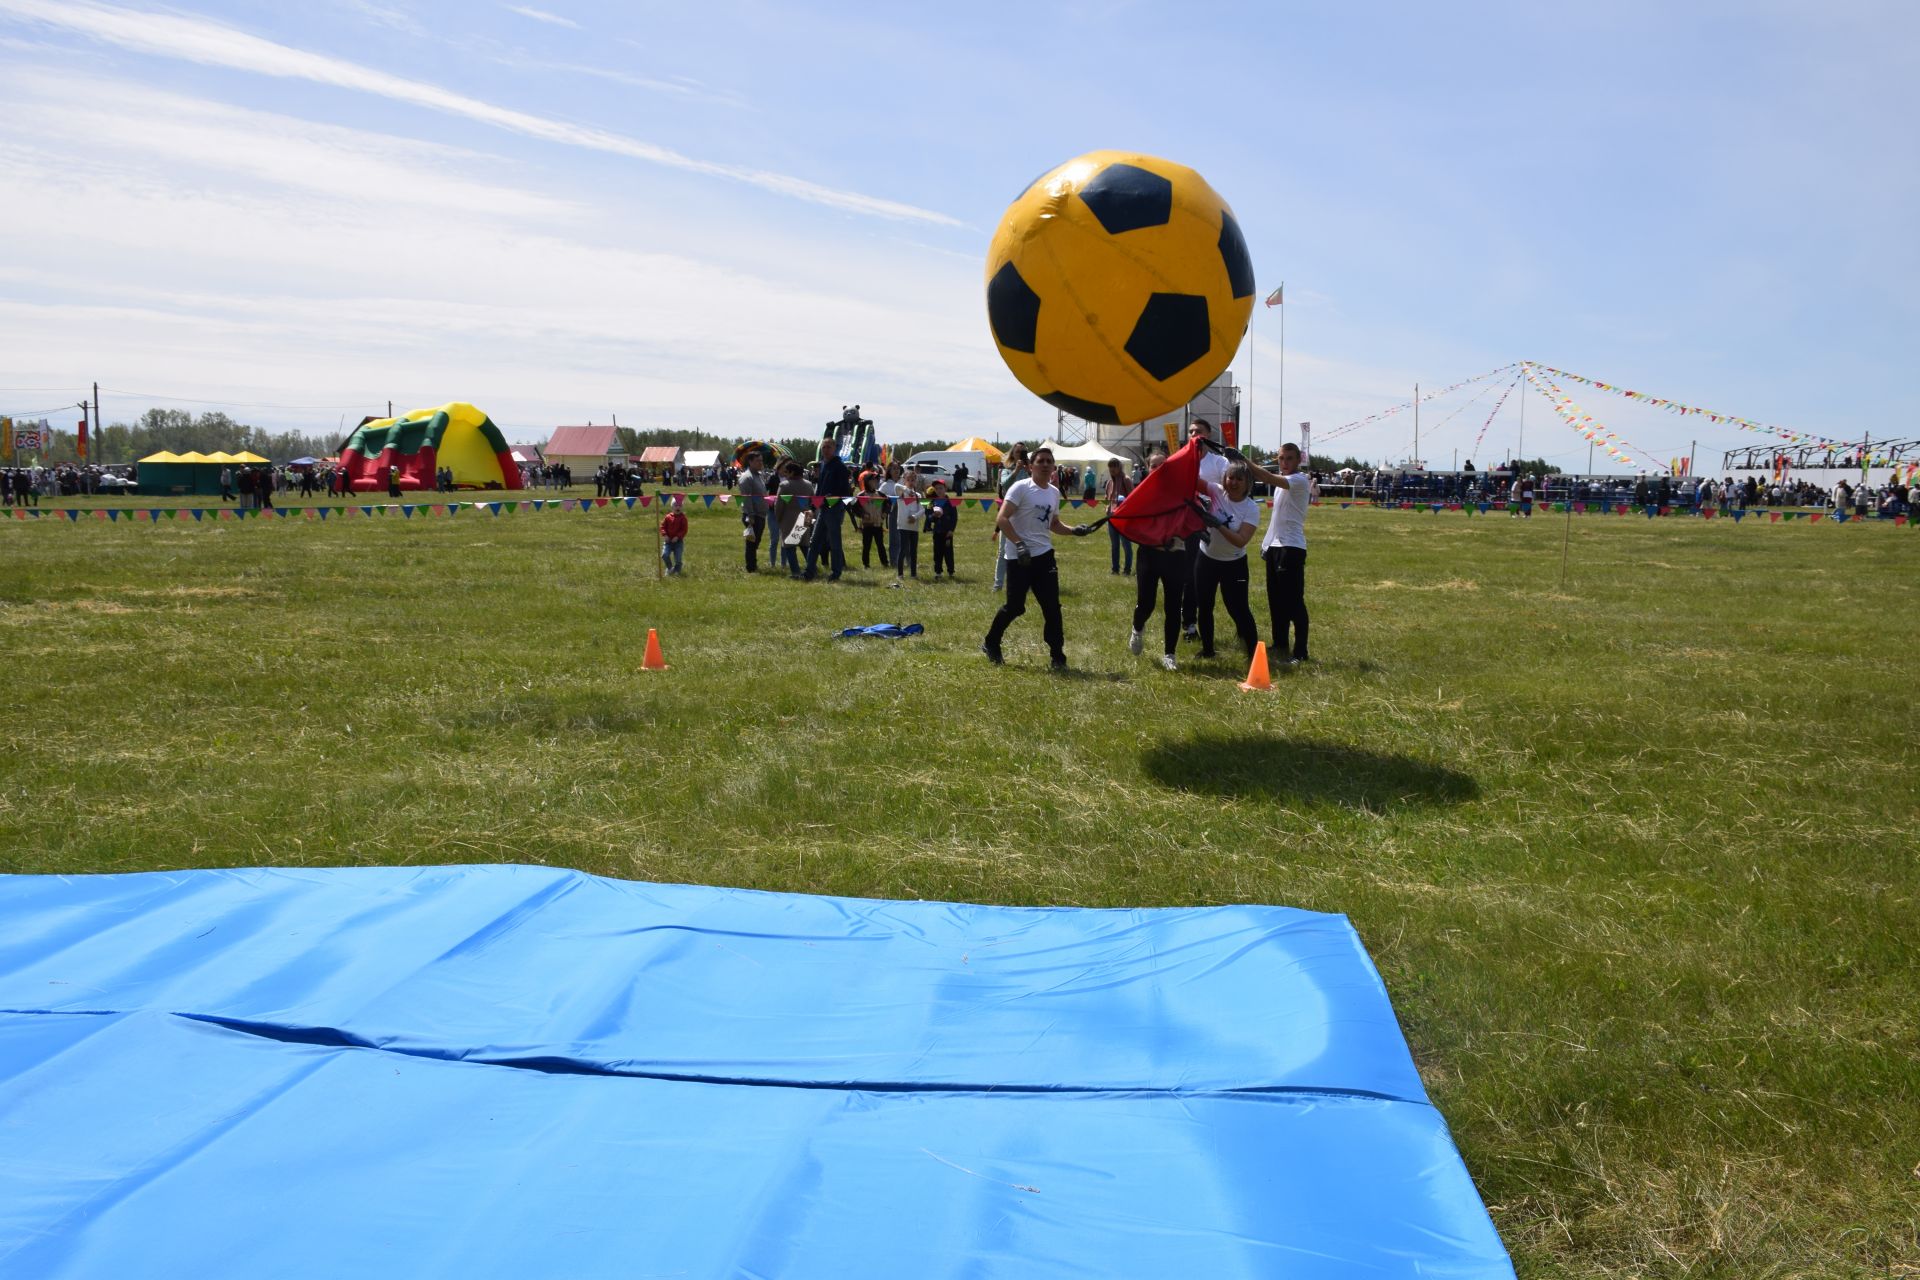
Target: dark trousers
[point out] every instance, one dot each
(752, 547)
(906, 552)
(1190, 602)
(942, 550)
(1041, 576)
(1115, 542)
(826, 540)
(872, 539)
(1160, 572)
(1229, 577)
(1287, 597)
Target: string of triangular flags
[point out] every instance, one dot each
(1404, 405)
(408, 511)
(1475, 451)
(1649, 510)
(1675, 406)
(1570, 413)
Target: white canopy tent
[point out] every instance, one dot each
(1080, 455)
(703, 457)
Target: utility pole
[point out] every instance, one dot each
(1520, 447)
(1416, 426)
(96, 425)
(1691, 446)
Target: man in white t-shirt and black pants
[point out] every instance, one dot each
(1213, 471)
(1029, 517)
(1285, 550)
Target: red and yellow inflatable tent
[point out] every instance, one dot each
(421, 442)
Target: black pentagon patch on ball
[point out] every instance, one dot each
(1171, 334)
(1013, 309)
(1233, 252)
(1091, 410)
(1126, 197)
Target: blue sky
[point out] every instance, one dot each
(742, 215)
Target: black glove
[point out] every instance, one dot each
(1081, 531)
(1217, 522)
(1020, 551)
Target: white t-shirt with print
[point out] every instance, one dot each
(1031, 509)
(1242, 514)
(1213, 467)
(1288, 525)
(908, 510)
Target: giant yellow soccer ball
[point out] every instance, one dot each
(1118, 286)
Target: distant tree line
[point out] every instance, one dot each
(177, 431)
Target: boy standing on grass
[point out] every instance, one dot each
(1029, 517)
(673, 537)
(943, 517)
(1284, 548)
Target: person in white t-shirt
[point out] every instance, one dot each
(1029, 517)
(1223, 563)
(908, 512)
(1213, 470)
(1284, 548)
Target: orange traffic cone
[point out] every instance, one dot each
(1257, 673)
(654, 662)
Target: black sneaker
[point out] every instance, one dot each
(1058, 662)
(1208, 653)
(1191, 631)
(992, 651)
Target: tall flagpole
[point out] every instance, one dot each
(1283, 369)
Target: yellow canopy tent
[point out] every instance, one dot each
(162, 456)
(974, 444)
(248, 457)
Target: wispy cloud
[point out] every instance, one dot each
(243, 255)
(211, 44)
(541, 15)
(385, 16)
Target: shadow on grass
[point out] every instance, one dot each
(1250, 766)
(582, 713)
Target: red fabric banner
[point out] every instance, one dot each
(1157, 508)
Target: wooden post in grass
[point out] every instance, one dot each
(659, 549)
(1566, 543)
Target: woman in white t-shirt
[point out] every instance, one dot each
(1222, 566)
(1029, 517)
(1284, 548)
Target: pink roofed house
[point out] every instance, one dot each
(584, 448)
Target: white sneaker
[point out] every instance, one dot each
(1166, 660)
(1133, 644)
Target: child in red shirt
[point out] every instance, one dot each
(673, 537)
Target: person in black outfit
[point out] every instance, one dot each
(1159, 572)
(943, 517)
(834, 483)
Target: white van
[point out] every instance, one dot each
(941, 464)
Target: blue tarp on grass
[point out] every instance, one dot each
(521, 1071)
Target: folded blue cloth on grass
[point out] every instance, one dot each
(886, 630)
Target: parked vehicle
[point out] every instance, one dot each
(941, 464)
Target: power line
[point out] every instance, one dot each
(231, 404)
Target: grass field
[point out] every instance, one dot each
(1638, 857)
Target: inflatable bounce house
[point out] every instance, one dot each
(421, 443)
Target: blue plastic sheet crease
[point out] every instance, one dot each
(504, 1070)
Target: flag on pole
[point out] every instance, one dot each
(1274, 299)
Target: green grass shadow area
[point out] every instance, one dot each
(1253, 766)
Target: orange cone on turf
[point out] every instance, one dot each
(1257, 673)
(653, 661)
